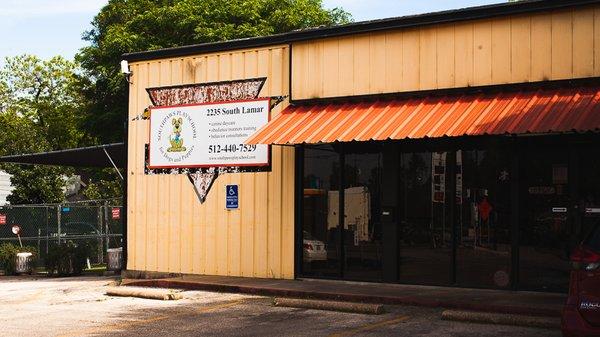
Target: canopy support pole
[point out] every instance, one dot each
(113, 163)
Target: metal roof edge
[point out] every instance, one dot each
(448, 16)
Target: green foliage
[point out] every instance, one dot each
(36, 184)
(137, 25)
(103, 189)
(67, 258)
(8, 256)
(40, 110)
(41, 99)
(103, 184)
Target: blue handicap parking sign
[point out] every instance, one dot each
(231, 197)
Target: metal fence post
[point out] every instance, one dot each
(58, 211)
(101, 237)
(106, 228)
(47, 229)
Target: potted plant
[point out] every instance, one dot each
(9, 255)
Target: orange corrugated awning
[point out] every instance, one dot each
(522, 112)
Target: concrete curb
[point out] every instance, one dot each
(155, 294)
(346, 297)
(358, 308)
(501, 319)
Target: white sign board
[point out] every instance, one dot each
(208, 135)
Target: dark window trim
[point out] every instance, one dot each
(451, 209)
(515, 168)
(342, 211)
(299, 206)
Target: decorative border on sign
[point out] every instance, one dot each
(212, 92)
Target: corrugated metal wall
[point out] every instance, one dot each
(525, 48)
(168, 229)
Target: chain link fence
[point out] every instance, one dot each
(96, 223)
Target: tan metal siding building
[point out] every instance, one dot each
(170, 231)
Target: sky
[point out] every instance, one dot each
(55, 27)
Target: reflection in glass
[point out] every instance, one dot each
(483, 204)
(362, 211)
(425, 234)
(546, 234)
(320, 249)
(589, 193)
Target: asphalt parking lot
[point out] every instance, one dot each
(69, 307)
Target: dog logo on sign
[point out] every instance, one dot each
(176, 139)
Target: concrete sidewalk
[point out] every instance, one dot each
(484, 300)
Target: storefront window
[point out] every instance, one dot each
(363, 251)
(320, 248)
(546, 232)
(589, 191)
(425, 233)
(483, 201)
(560, 205)
(442, 218)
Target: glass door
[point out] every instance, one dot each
(483, 251)
(363, 247)
(320, 227)
(425, 238)
(589, 192)
(546, 230)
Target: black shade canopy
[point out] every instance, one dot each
(93, 156)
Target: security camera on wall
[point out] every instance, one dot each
(125, 67)
(125, 70)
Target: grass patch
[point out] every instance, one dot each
(96, 268)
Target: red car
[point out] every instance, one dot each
(581, 315)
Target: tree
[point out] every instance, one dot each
(137, 25)
(40, 106)
(40, 98)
